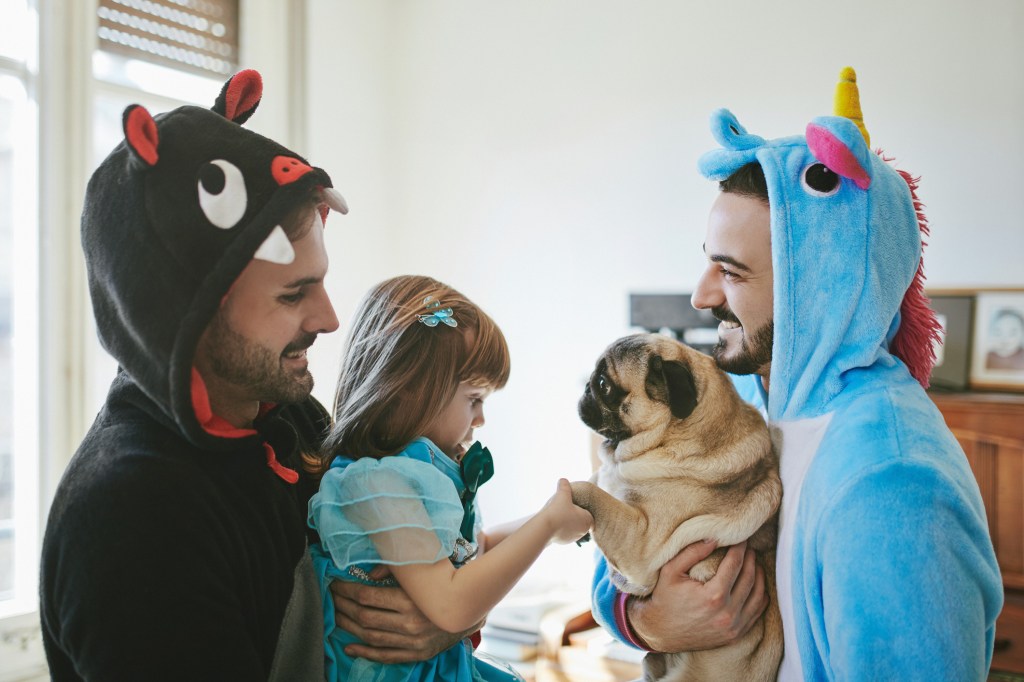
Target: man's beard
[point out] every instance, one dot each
(754, 353)
(255, 369)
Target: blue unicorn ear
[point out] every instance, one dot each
(730, 133)
(740, 147)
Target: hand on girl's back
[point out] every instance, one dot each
(568, 522)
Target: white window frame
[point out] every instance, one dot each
(61, 83)
(57, 89)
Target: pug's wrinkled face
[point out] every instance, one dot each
(634, 386)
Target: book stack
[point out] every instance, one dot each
(513, 631)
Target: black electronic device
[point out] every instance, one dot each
(674, 314)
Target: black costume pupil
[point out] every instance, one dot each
(212, 178)
(820, 178)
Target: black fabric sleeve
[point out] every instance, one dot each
(152, 590)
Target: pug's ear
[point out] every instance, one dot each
(671, 383)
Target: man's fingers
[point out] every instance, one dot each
(357, 610)
(745, 581)
(753, 607)
(729, 569)
(371, 637)
(351, 615)
(390, 647)
(382, 655)
(757, 601)
(691, 555)
(386, 598)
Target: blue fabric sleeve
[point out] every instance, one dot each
(603, 596)
(750, 388)
(393, 511)
(908, 582)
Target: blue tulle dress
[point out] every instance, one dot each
(411, 503)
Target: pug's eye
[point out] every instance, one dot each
(604, 385)
(819, 180)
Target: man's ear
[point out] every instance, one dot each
(672, 383)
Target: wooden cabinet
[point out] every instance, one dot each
(990, 428)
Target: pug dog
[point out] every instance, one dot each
(684, 459)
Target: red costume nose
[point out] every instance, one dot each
(286, 169)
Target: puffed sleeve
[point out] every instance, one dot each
(393, 511)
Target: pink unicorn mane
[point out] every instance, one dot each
(919, 329)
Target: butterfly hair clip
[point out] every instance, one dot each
(437, 314)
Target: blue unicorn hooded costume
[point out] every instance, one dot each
(885, 566)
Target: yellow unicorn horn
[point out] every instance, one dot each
(847, 100)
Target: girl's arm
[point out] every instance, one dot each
(490, 538)
(455, 600)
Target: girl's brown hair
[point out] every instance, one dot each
(398, 374)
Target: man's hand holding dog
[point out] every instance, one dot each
(683, 614)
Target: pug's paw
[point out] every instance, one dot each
(706, 569)
(637, 586)
(583, 494)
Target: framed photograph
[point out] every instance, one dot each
(997, 358)
(953, 355)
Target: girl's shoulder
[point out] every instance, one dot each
(391, 466)
(420, 450)
(416, 468)
(423, 450)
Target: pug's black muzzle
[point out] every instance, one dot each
(589, 410)
(600, 419)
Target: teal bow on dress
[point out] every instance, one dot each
(477, 467)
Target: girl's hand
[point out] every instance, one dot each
(566, 521)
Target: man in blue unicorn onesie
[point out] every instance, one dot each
(885, 566)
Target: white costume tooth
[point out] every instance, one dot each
(276, 248)
(333, 198)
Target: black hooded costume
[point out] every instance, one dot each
(176, 546)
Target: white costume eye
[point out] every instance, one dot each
(222, 193)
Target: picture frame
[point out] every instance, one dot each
(955, 313)
(997, 356)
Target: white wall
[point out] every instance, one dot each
(540, 156)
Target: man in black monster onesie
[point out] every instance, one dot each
(176, 545)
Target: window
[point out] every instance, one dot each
(20, 649)
(44, 310)
(19, 504)
(60, 114)
(197, 36)
(118, 81)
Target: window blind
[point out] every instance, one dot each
(199, 36)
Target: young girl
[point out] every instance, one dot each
(420, 361)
